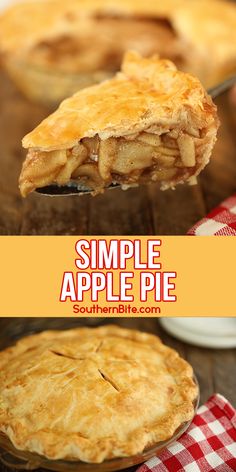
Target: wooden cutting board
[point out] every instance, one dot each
(141, 211)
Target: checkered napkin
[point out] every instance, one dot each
(208, 445)
(220, 222)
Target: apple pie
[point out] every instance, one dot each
(150, 123)
(52, 48)
(93, 394)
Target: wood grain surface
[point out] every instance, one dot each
(215, 369)
(141, 211)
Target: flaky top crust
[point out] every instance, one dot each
(93, 394)
(147, 92)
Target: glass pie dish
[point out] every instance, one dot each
(48, 86)
(20, 460)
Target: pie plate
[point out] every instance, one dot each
(20, 460)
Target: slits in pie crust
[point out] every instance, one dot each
(93, 394)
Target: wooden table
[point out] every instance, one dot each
(140, 211)
(215, 369)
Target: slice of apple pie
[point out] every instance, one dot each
(149, 123)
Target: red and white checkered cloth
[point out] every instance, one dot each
(208, 445)
(220, 222)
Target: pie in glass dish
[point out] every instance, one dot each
(93, 394)
(150, 123)
(51, 48)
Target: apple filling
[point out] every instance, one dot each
(168, 158)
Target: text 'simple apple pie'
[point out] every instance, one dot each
(93, 394)
(150, 123)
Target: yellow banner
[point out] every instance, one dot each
(117, 276)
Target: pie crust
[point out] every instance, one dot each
(93, 394)
(89, 37)
(149, 123)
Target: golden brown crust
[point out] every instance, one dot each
(149, 94)
(75, 394)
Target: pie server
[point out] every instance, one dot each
(81, 189)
